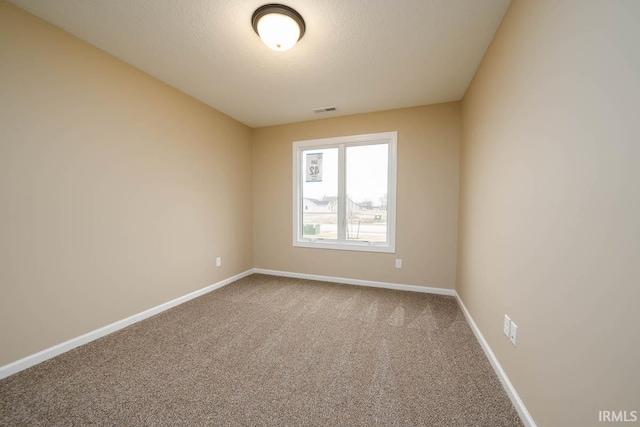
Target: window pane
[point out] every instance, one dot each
(367, 184)
(320, 193)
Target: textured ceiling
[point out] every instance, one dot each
(358, 55)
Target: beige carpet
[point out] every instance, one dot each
(273, 351)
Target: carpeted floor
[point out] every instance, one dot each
(273, 351)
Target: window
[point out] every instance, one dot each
(344, 192)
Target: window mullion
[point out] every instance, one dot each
(342, 197)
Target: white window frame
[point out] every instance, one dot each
(390, 138)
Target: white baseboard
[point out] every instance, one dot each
(357, 282)
(34, 359)
(56, 350)
(511, 391)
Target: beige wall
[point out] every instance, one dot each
(550, 205)
(427, 206)
(117, 192)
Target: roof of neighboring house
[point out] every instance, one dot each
(318, 202)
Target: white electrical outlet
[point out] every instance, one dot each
(513, 334)
(398, 263)
(218, 262)
(506, 328)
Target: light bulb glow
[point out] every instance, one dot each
(279, 32)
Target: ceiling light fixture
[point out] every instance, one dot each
(280, 27)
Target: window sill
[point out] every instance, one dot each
(360, 246)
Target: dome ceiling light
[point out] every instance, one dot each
(279, 27)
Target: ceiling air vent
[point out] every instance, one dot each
(324, 109)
